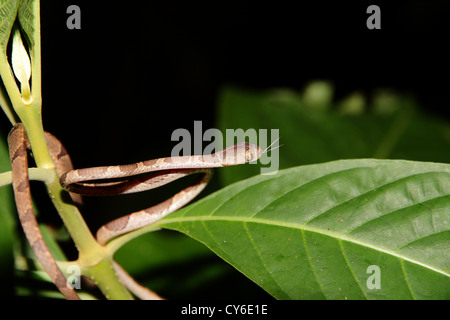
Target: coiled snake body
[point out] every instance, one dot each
(134, 177)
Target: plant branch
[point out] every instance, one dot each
(35, 174)
(90, 251)
(104, 275)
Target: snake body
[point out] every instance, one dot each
(21, 186)
(128, 178)
(156, 172)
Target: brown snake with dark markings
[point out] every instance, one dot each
(135, 177)
(19, 163)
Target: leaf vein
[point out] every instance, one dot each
(394, 211)
(297, 187)
(301, 227)
(351, 269)
(402, 263)
(418, 239)
(218, 244)
(258, 253)
(369, 191)
(313, 269)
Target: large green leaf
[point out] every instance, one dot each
(313, 232)
(391, 127)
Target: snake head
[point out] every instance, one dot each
(240, 153)
(252, 151)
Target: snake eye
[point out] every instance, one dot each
(252, 152)
(248, 156)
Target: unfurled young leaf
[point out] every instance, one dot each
(21, 64)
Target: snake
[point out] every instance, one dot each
(18, 145)
(113, 180)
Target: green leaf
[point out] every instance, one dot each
(28, 11)
(391, 128)
(313, 232)
(8, 13)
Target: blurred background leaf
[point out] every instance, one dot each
(7, 226)
(179, 267)
(313, 128)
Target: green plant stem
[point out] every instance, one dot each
(91, 254)
(31, 119)
(44, 175)
(101, 273)
(9, 82)
(104, 275)
(89, 249)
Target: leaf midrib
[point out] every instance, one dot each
(302, 227)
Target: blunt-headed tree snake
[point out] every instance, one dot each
(111, 180)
